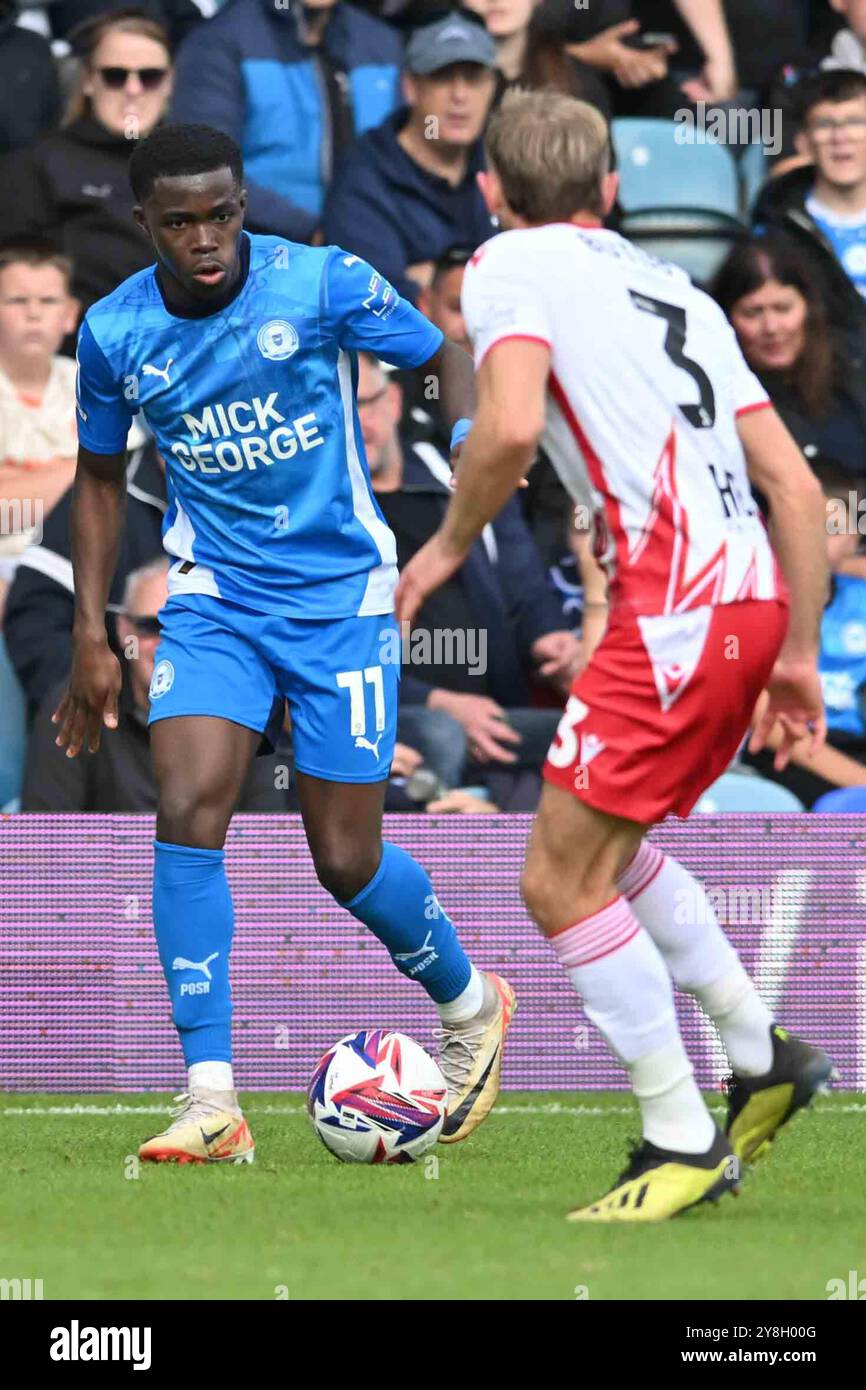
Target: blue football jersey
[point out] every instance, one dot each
(253, 410)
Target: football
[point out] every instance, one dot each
(377, 1097)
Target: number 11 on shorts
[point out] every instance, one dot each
(354, 682)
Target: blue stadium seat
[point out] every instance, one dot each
(13, 730)
(743, 790)
(851, 799)
(754, 172)
(663, 165)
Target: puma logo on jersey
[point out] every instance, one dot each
(203, 966)
(150, 370)
(365, 743)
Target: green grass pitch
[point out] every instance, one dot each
(298, 1224)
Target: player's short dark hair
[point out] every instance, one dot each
(172, 151)
(837, 85)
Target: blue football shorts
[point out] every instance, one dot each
(340, 677)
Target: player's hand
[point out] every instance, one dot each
(429, 567)
(558, 657)
(793, 706)
(488, 732)
(91, 696)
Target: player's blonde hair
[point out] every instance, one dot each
(551, 153)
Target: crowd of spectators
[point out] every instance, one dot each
(362, 124)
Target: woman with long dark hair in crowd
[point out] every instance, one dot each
(530, 52)
(71, 186)
(811, 369)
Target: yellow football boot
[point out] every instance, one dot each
(659, 1183)
(758, 1106)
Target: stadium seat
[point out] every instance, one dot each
(697, 241)
(744, 790)
(663, 165)
(754, 172)
(13, 730)
(850, 799)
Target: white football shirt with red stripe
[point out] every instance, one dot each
(646, 383)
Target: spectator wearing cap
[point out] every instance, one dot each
(408, 190)
(119, 777)
(294, 84)
(72, 186)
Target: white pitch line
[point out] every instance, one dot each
(579, 1111)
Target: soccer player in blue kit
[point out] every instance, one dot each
(240, 352)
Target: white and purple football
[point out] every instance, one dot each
(377, 1097)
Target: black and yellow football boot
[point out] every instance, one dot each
(659, 1183)
(758, 1106)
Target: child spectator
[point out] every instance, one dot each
(824, 202)
(38, 440)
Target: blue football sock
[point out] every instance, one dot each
(193, 919)
(400, 907)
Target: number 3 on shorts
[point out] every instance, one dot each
(564, 753)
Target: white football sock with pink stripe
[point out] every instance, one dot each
(626, 991)
(673, 907)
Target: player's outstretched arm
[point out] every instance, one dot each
(799, 539)
(509, 418)
(454, 373)
(98, 508)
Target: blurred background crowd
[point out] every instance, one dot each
(738, 128)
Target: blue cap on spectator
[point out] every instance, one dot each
(450, 40)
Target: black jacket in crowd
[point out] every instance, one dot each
(72, 186)
(29, 87)
(119, 776)
(40, 603)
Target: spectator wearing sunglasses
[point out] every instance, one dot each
(120, 776)
(72, 186)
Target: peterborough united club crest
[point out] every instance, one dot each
(277, 339)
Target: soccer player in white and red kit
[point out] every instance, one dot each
(633, 380)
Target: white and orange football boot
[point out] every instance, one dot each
(470, 1058)
(206, 1127)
